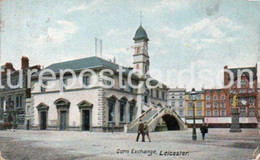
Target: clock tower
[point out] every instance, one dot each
(141, 56)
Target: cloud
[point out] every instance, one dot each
(62, 32)
(168, 5)
(78, 8)
(93, 6)
(208, 31)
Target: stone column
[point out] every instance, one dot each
(102, 108)
(235, 121)
(127, 113)
(117, 113)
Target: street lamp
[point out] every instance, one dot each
(193, 98)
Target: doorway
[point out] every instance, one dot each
(63, 120)
(43, 120)
(28, 125)
(85, 120)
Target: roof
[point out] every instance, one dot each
(177, 90)
(235, 70)
(197, 92)
(141, 34)
(84, 63)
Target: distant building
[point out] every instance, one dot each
(12, 101)
(247, 97)
(176, 99)
(216, 108)
(199, 108)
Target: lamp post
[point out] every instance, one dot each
(193, 97)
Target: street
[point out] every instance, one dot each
(219, 144)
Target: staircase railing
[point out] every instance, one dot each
(134, 122)
(156, 115)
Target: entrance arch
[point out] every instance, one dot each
(63, 113)
(43, 116)
(85, 109)
(170, 123)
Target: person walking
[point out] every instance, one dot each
(203, 130)
(140, 131)
(146, 131)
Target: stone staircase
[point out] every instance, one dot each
(152, 116)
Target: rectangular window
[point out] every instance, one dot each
(181, 103)
(199, 104)
(157, 93)
(198, 113)
(18, 101)
(208, 105)
(215, 113)
(208, 113)
(190, 105)
(86, 81)
(207, 97)
(222, 105)
(111, 113)
(43, 88)
(215, 105)
(181, 113)
(223, 113)
(223, 97)
(190, 113)
(231, 100)
(173, 103)
(215, 97)
(122, 112)
(252, 100)
(163, 95)
(2, 103)
(151, 92)
(242, 112)
(252, 112)
(198, 96)
(9, 103)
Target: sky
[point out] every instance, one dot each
(183, 33)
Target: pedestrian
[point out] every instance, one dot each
(203, 130)
(140, 131)
(146, 131)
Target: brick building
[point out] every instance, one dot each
(216, 110)
(12, 101)
(247, 95)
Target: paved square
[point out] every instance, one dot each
(219, 144)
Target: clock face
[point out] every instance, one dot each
(244, 102)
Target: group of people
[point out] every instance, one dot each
(143, 130)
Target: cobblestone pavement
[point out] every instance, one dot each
(219, 144)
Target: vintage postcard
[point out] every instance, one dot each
(129, 79)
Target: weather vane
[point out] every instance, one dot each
(141, 16)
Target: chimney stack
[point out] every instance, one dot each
(225, 76)
(24, 63)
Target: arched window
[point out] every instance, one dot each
(111, 102)
(122, 109)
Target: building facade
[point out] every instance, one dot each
(216, 109)
(12, 100)
(247, 95)
(176, 99)
(89, 105)
(199, 108)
